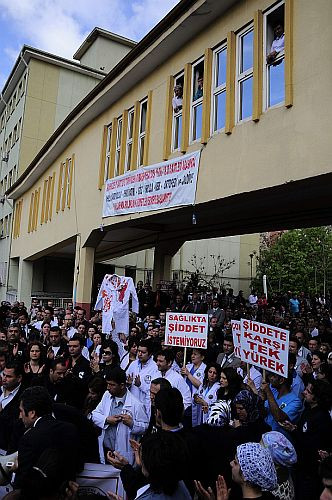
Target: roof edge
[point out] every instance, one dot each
(105, 34)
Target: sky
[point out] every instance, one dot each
(60, 26)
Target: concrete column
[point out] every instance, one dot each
(83, 277)
(24, 285)
(162, 262)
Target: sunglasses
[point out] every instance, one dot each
(109, 353)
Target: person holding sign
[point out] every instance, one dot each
(164, 361)
(194, 373)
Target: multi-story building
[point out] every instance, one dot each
(261, 166)
(40, 92)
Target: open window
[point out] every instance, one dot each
(274, 56)
(118, 147)
(129, 141)
(197, 100)
(142, 131)
(244, 73)
(177, 112)
(219, 88)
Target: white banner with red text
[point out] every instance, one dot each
(265, 346)
(186, 330)
(236, 331)
(168, 184)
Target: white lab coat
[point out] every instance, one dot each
(210, 396)
(179, 383)
(199, 374)
(123, 432)
(147, 373)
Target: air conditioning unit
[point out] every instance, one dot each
(5, 158)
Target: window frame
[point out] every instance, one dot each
(141, 135)
(129, 139)
(108, 151)
(119, 131)
(217, 90)
(245, 75)
(177, 115)
(195, 104)
(281, 56)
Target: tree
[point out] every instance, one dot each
(299, 260)
(199, 276)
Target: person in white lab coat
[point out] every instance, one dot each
(194, 376)
(206, 394)
(120, 416)
(141, 372)
(164, 361)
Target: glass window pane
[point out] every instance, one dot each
(247, 46)
(141, 150)
(197, 122)
(219, 111)
(143, 117)
(276, 84)
(221, 67)
(177, 132)
(245, 99)
(130, 125)
(129, 148)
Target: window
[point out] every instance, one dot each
(14, 135)
(219, 89)
(177, 112)
(19, 128)
(14, 173)
(10, 177)
(142, 131)
(17, 218)
(118, 146)
(274, 55)
(245, 45)
(6, 148)
(108, 151)
(23, 83)
(10, 141)
(64, 185)
(197, 100)
(129, 141)
(15, 100)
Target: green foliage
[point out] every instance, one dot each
(299, 260)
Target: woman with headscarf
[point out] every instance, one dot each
(249, 420)
(252, 469)
(284, 457)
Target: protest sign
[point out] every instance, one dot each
(186, 330)
(168, 184)
(265, 346)
(236, 331)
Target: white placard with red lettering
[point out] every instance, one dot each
(236, 331)
(186, 330)
(168, 184)
(265, 346)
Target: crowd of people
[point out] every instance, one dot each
(211, 427)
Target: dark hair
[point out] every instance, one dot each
(131, 342)
(234, 384)
(46, 323)
(321, 355)
(148, 344)
(325, 468)
(229, 338)
(206, 371)
(95, 329)
(163, 382)
(98, 385)
(164, 456)
(116, 375)
(16, 366)
(322, 391)
(41, 346)
(114, 348)
(24, 313)
(49, 308)
(55, 329)
(168, 355)
(294, 339)
(292, 358)
(57, 361)
(170, 404)
(38, 399)
(78, 337)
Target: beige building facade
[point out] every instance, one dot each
(261, 128)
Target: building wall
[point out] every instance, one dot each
(104, 53)
(285, 145)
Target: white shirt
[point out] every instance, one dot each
(4, 400)
(278, 44)
(147, 373)
(177, 381)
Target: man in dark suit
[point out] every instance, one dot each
(9, 401)
(217, 312)
(44, 434)
(227, 359)
(78, 373)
